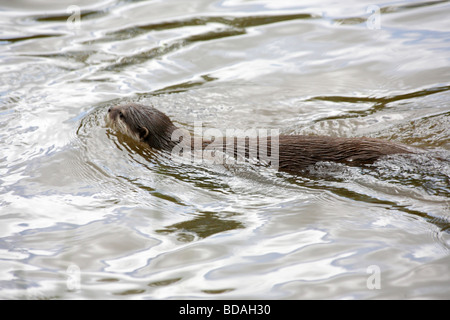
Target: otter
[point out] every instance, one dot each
(295, 152)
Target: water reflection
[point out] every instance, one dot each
(137, 225)
(379, 103)
(203, 225)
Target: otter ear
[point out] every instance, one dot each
(143, 133)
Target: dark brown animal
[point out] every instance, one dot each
(294, 152)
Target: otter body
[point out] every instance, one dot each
(295, 152)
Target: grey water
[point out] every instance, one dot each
(86, 214)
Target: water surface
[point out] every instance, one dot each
(86, 213)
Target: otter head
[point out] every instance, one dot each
(142, 123)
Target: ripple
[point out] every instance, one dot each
(76, 195)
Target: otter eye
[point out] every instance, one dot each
(121, 115)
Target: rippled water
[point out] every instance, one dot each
(86, 213)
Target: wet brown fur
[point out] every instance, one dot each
(296, 152)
